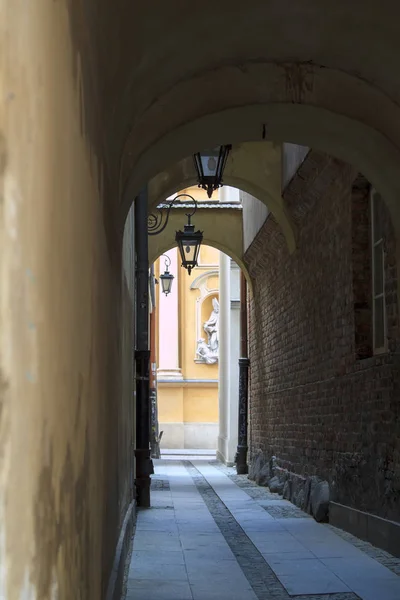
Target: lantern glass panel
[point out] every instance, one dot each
(189, 243)
(209, 162)
(166, 282)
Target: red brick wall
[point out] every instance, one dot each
(316, 403)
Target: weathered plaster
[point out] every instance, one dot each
(62, 400)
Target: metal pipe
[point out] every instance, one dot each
(154, 433)
(144, 464)
(244, 363)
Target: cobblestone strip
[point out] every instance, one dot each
(261, 493)
(250, 487)
(259, 574)
(286, 512)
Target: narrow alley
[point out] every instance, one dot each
(199, 251)
(215, 535)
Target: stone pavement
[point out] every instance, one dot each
(208, 538)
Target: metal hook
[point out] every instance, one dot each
(167, 264)
(155, 223)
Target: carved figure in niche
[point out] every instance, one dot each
(204, 352)
(211, 327)
(209, 352)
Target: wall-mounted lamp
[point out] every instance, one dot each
(210, 165)
(188, 240)
(167, 277)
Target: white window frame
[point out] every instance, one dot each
(374, 244)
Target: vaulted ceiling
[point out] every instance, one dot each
(174, 77)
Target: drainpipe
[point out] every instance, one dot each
(144, 464)
(244, 363)
(154, 434)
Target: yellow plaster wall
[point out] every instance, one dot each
(187, 403)
(60, 319)
(200, 405)
(170, 403)
(208, 256)
(213, 283)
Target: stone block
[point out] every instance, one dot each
(309, 487)
(300, 500)
(264, 476)
(275, 485)
(382, 533)
(287, 490)
(320, 501)
(349, 519)
(298, 495)
(255, 467)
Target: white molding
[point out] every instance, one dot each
(195, 285)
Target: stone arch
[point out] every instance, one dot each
(196, 284)
(254, 168)
(308, 104)
(154, 254)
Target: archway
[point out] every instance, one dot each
(321, 108)
(222, 231)
(254, 168)
(196, 350)
(198, 367)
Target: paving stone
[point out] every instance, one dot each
(259, 574)
(158, 571)
(164, 590)
(383, 557)
(214, 552)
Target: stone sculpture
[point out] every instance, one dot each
(208, 352)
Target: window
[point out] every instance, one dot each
(378, 275)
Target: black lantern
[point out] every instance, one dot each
(188, 240)
(167, 277)
(210, 165)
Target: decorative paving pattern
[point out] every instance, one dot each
(259, 574)
(286, 512)
(206, 538)
(261, 493)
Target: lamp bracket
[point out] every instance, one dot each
(167, 261)
(157, 222)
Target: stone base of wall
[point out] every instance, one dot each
(189, 435)
(311, 494)
(379, 532)
(115, 584)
